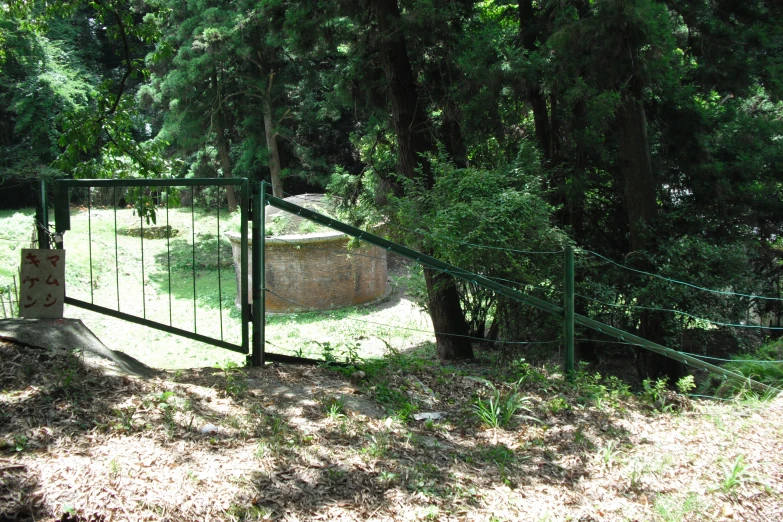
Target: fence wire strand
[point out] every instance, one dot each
(480, 339)
(657, 309)
(675, 281)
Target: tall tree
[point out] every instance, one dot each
(414, 142)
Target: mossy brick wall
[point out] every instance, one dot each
(316, 273)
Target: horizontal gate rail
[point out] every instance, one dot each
(158, 326)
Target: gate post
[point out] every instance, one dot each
(568, 305)
(259, 204)
(42, 217)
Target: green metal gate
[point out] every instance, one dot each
(62, 194)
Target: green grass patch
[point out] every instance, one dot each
(188, 281)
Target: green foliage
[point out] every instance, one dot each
(42, 80)
(764, 365)
(20, 442)
(600, 390)
(70, 107)
(469, 208)
(655, 392)
(735, 475)
(236, 383)
(500, 408)
(686, 384)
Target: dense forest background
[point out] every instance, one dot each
(649, 131)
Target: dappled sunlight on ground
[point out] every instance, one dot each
(294, 443)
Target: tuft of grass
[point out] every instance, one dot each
(609, 453)
(334, 407)
(499, 409)
(734, 476)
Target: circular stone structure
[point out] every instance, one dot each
(310, 267)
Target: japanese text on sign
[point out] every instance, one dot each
(42, 290)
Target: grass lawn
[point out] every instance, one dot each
(158, 279)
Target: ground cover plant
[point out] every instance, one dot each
(296, 443)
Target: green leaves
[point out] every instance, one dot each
(500, 409)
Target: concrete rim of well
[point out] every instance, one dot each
(317, 202)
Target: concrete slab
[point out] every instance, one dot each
(71, 334)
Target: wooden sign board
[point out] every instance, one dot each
(42, 284)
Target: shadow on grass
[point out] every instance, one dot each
(439, 467)
(202, 265)
(307, 460)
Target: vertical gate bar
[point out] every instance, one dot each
(42, 217)
(243, 279)
(569, 312)
(141, 236)
(262, 271)
(220, 271)
(15, 296)
(193, 250)
(89, 238)
(2, 302)
(168, 249)
(257, 354)
(116, 249)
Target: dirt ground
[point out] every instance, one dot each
(312, 443)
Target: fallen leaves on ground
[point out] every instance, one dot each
(307, 443)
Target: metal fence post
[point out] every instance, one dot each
(568, 290)
(244, 280)
(262, 271)
(257, 353)
(42, 216)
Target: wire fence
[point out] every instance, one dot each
(315, 274)
(550, 286)
(678, 282)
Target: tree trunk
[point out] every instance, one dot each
(222, 144)
(408, 118)
(529, 34)
(447, 317)
(271, 139)
(414, 139)
(641, 206)
(639, 185)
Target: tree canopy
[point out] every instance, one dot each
(648, 131)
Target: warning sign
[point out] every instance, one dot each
(42, 287)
